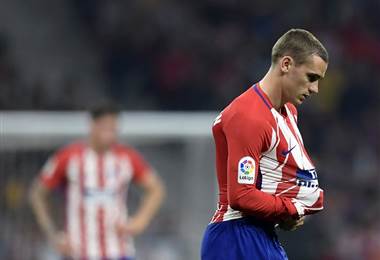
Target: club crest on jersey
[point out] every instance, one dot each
(246, 170)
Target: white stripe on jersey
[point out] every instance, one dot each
(231, 214)
(109, 170)
(92, 227)
(111, 239)
(90, 169)
(126, 168)
(72, 206)
(271, 170)
(311, 198)
(294, 124)
(297, 151)
(111, 209)
(91, 205)
(274, 141)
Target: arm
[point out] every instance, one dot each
(51, 176)
(251, 141)
(38, 199)
(39, 202)
(154, 192)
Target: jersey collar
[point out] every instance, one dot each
(262, 95)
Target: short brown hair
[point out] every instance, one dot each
(298, 44)
(103, 109)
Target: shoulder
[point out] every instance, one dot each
(70, 149)
(247, 125)
(121, 148)
(244, 113)
(249, 122)
(125, 150)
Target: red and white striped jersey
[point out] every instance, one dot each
(96, 186)
(263, 168)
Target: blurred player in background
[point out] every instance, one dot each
(265, 175)
(96, 174)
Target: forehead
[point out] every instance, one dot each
(106, 119)
(315, 65)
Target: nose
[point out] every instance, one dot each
(314, 88)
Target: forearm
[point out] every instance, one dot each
(262, 205)
(38, 200)
(151, 202)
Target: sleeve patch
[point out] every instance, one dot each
(246, 170)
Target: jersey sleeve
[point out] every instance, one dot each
(246, 140)
(140, 166)
(53, 173)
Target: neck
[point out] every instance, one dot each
(95, 146)
(271, 85)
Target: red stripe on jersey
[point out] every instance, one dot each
(101, 228)
(120, 238)
(121, 245)
(218, 217)
(287, 187)
(100, 212)
(287, 172)
(82, 213)
(282, 143)
(100, 171)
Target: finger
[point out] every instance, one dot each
(298, 225)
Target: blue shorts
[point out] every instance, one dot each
(241, 239)
(122, 258)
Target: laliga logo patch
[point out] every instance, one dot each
(246, 170)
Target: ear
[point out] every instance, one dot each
(285, 63)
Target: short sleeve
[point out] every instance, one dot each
(140, 166)
(53, 173)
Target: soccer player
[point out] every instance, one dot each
(265, 175)
(96, 174)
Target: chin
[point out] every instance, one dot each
(296, 102)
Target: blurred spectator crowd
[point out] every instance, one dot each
(199, 55)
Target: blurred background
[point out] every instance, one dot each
(166, 57)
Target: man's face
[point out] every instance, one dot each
(301, 81)
(104, 130)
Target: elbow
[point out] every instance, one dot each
(161, 191)
(158, 190)
(35, 193)
(235, 202)
(235, 205)
(32, 195)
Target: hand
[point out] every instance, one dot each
(61, 244)
(132, 227)
(291, 224)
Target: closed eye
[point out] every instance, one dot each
(313, 77)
